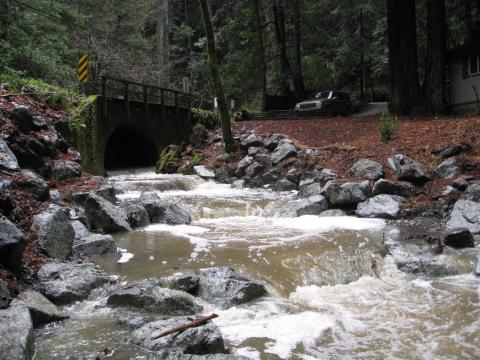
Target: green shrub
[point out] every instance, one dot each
(226, 157)
(209, 119)
(198, 135)
(197, 159)
(387, 125)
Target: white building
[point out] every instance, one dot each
(464, 75)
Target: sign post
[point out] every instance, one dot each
(83, 68)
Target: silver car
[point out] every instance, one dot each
(327, 102)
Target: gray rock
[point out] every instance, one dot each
(367, 169)
(238, 184)
(12, 244)
(380, 206)
(200, 340)
(41, 309)
(408, 169)
(476, 270)
(203, 172)
(285, 185)
(310, 190)
(80, 231)
(170, 356)
(460, 183)
(64, 283)
(243, 165)
(313, 205)
(251, 140)
(225, 287)
(270, 176)
(134, 322)
(402, 189)
(79, 198)
(28, 151)
(39, 122)
(263, 159)
(465, 214)
(324, 175)
(35, 184)
(253, 151)
(6, 196)
(137, 216)
(272, 141)
(284, 150)
(253, 170)
(164, 212)
(348, 194)
(22, 117)
(49, 142)
(16, 334)
(54, 232)
(149, 296)
(104, 215)
(448, 169)
(293, 175)
(333, 213)
(185, 281)
(5, 295)
(108, 193)
(96, 244)
(472, 193)
(64, 170)
(459, 238)
(55, 196)
(8, 161)
(307, 153)
(454, 150)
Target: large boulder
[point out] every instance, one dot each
(64, 170)
(54, 232)
(284, 185)
(200, 340)
(284, 150)
(108, 193)
(254, 169)
(380, 206)
(49, 141)
(6, 196)
(22, 117)
(64, 283)
(367, 169)
(459, 238)
(16, 334)
(454, 150)
(243, 165)
(183, 281)
(408, 169)
(203, 172)
(465, 214)
(28, 151)
(225, 287)
(449, 169)
(8, 160)
(104, 215)
(41, 309)
(347, 194)
(137, 216)
(272, 141)
(12, 244)
(5, 295)
(35, 184)
(313, 205)
(96, 244)
(323, 175)
(149, 296)
(251, 140)
(403, 189)
(311, 189)
(164, 212)
(472, 193)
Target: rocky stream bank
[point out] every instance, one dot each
(54, 217)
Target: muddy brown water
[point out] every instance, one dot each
(323, 303)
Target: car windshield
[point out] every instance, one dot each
(323, 95)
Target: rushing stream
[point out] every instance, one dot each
(324, 302)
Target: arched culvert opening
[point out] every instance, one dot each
(130, 147)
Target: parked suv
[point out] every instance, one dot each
(328, 102)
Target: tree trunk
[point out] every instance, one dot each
(279, 19)
(434, 83)
(162, 42)
(297, 59)
(402, 44)
(217, 79)
(468, 20)
(261, 56)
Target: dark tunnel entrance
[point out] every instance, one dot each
(130, 147)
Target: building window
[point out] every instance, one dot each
(473, 65)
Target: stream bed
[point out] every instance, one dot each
(323, 302)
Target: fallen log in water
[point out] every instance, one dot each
(190, 325)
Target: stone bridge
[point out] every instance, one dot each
(128, 124)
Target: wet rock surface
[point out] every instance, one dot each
(408, 169)
(64, 283)
(465, 214)
(201, 340)
(8, 160)
(284, 150)
(54, 232)
(225, 287)
(104, 215)
(164, 212)
(16, 333)
(148, 295)
(381, 206)
(137, 216)
(313, 205)
(96, 245)
(459, 238)
(347, 194)
(41, 309)
(12, 244)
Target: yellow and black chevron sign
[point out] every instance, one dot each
(83, 68)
